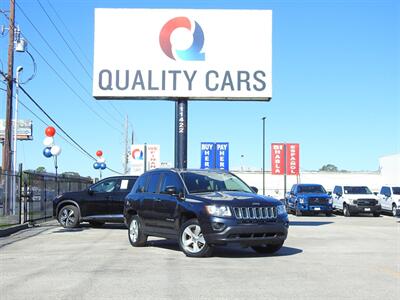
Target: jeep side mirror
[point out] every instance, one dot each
(376, 193)
(329, 193)
(291, 193)
(255, 190)
(170, 190)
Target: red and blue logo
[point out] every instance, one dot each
(137, 154)
(194, 51)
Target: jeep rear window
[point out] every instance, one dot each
(203, 182)
(357, 190)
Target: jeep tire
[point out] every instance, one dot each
(135, 232)
(191, 240)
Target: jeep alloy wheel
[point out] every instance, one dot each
(135, 233)
(191, 240)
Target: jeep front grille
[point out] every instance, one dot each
(255, 213)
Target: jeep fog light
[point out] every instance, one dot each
(218, 211)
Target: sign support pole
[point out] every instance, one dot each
(181, 108)
(285, 169)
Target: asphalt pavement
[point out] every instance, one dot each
(323, 258)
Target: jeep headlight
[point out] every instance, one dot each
(330, 200)
(301, 200)
(281, 210)
(218, 211)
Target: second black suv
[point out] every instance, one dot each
(203, 208)
(102, 202)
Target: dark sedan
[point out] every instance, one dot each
(102, 202)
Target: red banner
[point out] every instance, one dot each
(277, 159)
(292, 159)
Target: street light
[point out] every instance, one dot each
(263, 168)
(14, 148)
(15, 125)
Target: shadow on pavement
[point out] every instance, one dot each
(83, 227)
(227, 251)
(308, 223)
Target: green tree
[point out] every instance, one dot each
(40, 170)
(329, 168)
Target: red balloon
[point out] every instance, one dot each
(50, 131)
(99, 153)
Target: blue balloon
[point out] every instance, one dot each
(103, 166)
(47, 152)
(96, 165)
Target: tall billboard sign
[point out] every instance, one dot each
(170, 53)
(285, 159)
(214, 156)
(24, 129)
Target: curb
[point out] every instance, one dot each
(13, 229)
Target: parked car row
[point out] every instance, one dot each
(198, 208)
(204, 208)
(350, 200)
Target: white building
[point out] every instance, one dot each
(389, 173)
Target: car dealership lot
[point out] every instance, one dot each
(323, 258)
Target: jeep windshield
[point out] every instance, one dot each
(311, 189)
(206, 182)
(357, 190)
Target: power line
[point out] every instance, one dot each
(60, 128)
(65, 41)
(70, 34)
(65, 66)
(77, 45)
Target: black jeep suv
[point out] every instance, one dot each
(102, 202)
(203, 208)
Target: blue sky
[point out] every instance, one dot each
(336, 88)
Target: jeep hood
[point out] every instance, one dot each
(229, 197)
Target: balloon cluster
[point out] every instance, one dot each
(101, 161)
(48, 142)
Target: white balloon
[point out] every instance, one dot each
(55, 150)
(48, 141)
(101, 160)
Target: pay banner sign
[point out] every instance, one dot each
(285, 155)
(196, 54)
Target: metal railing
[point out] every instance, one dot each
(34, 194)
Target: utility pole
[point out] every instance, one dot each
(7, 151)
(126, 146)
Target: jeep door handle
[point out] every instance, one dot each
(158, 200)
